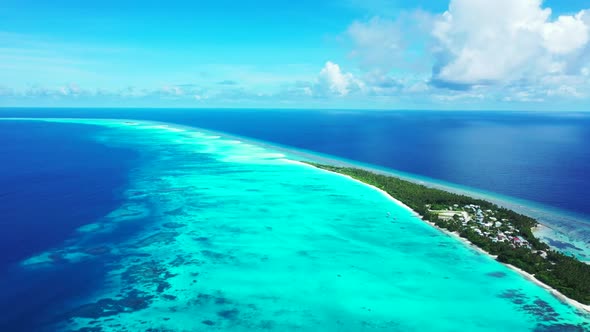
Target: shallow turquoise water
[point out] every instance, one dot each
(562, 230)
(236, 237)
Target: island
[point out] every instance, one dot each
(500, 232)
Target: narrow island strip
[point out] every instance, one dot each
(501, 233)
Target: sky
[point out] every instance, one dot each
(361, 54)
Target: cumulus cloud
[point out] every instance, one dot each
(177, 92)
(488, 42)
(334, 81)
(172, 90)
(567, 34)
(130, 92)
(73, 90)
(497, 50)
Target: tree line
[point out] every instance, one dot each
(564, 273)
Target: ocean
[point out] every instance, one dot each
(532, 162)
(135, 225)
(53, 179)
(537, 156)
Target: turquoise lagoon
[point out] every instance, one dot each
(236, 236)
(562, 230)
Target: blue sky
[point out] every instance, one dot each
(381, 54)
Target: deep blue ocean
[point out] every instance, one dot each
(54, 177)
(538, 156)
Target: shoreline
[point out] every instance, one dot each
(579, 306)
(547, 217)
(582, 307)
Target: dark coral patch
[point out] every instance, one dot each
(176, 212)
(498, 274)
(173, 225)
(217, 299)
(515, 296)
(538, 308)
(231, 314)
(560, 328)
(148, 273)
(178, 261)
(133, 301)
(184, 260)
(216, 256)
(542, 310)
(222, 300)
(205, 297)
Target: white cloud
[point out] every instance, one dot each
(178, 92)
(173, 90)
(499, 41)
(567, 34)
(333, 80)
(497, 50)
(565, 91)
(71, 90)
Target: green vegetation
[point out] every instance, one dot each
(564, 273)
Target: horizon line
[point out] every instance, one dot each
(295, 109)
